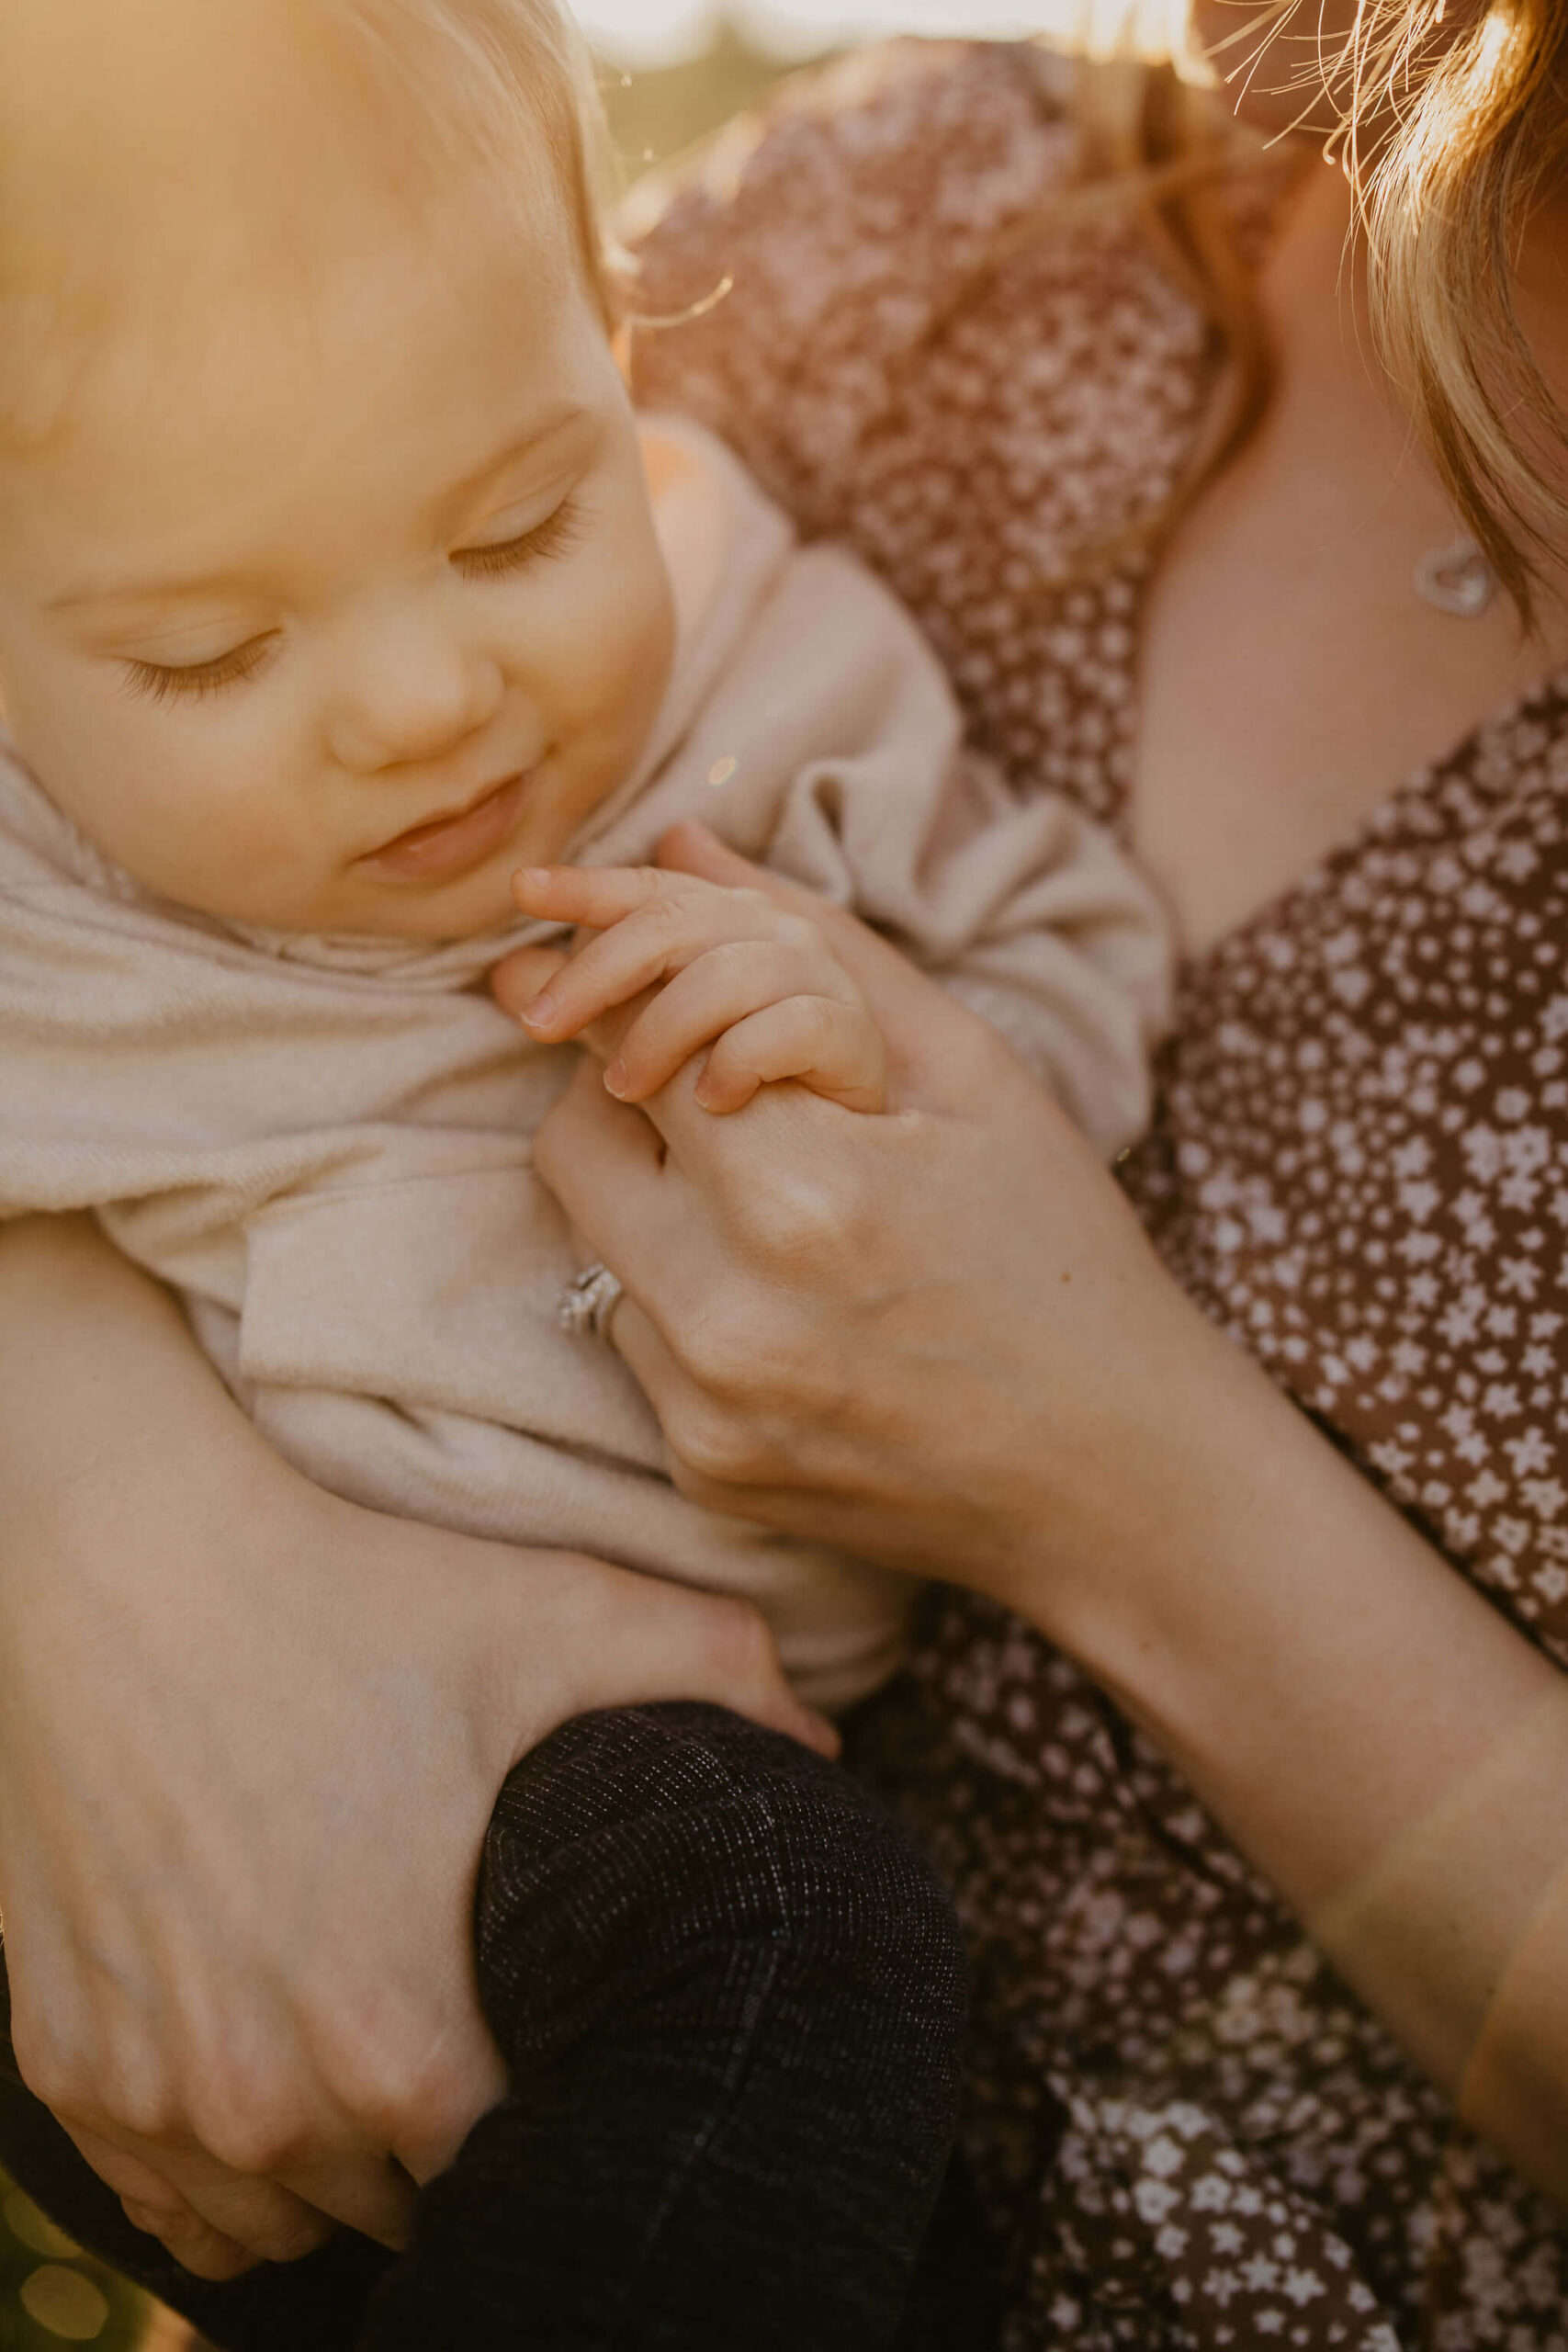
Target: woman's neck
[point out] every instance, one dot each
(1316, 296)
(1292, 675)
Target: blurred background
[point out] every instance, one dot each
(672, 70)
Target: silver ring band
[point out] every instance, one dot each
(588, 1303)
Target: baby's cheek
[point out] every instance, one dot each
(643, 648)
(616, 665)
(161, 795)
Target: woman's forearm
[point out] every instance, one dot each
(1389, 1751)
(103, 1390)
(216, 1683)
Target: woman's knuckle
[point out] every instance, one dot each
(154, 2212)
(244, 2129)
(137, 2094)
(256, 2147)
(711, 1446)
(404, 2092)
(795, 932)
(722, 1355)
(796, 1216)
(294, 2240)
(391, 2064)
(51, 2064)
(693, 1485)
(205, 2253)
(439, 2101)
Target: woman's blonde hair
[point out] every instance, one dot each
(1451, 137)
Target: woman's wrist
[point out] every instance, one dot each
(1153, 1437)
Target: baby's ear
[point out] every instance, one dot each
(621, 345)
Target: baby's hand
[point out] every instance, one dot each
(725, 969)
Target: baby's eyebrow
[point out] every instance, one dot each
(154, 591)
(191, 590)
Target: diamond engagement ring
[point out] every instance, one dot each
(588, 1303)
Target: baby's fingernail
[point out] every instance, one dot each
(615, 1079)
(532, 878)
(541, 1013)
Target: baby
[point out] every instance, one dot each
(338, 584)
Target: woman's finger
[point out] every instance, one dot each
(282, 2222)
(205, 2252)
(743, 1490)
(833, 1048)
(615, 1168)
(585, 1148)
(267, 2218)
(155, 2206)
(719, 990)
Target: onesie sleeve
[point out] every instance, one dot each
(1034, 918)
(1029, 914)
(1028, 910)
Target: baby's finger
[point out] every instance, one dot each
(593, 897)
(664, 938)
(517, 981)
(726, 986)
(834, 1049)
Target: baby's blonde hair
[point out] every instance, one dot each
(522, 70)
(505, 86)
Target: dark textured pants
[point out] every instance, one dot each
(731, 2002)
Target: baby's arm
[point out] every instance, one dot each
(694, 964)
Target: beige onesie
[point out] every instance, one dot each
(324, 1145)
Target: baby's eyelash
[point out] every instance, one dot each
(157, 682)
(562, 530)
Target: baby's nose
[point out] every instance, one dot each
(408, 698)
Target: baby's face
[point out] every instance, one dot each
(325, 607)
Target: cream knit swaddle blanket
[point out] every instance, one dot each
(324, 1146)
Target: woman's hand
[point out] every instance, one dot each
(901, 1335)
(250, 1740)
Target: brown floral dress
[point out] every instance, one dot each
(1194, 2135)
